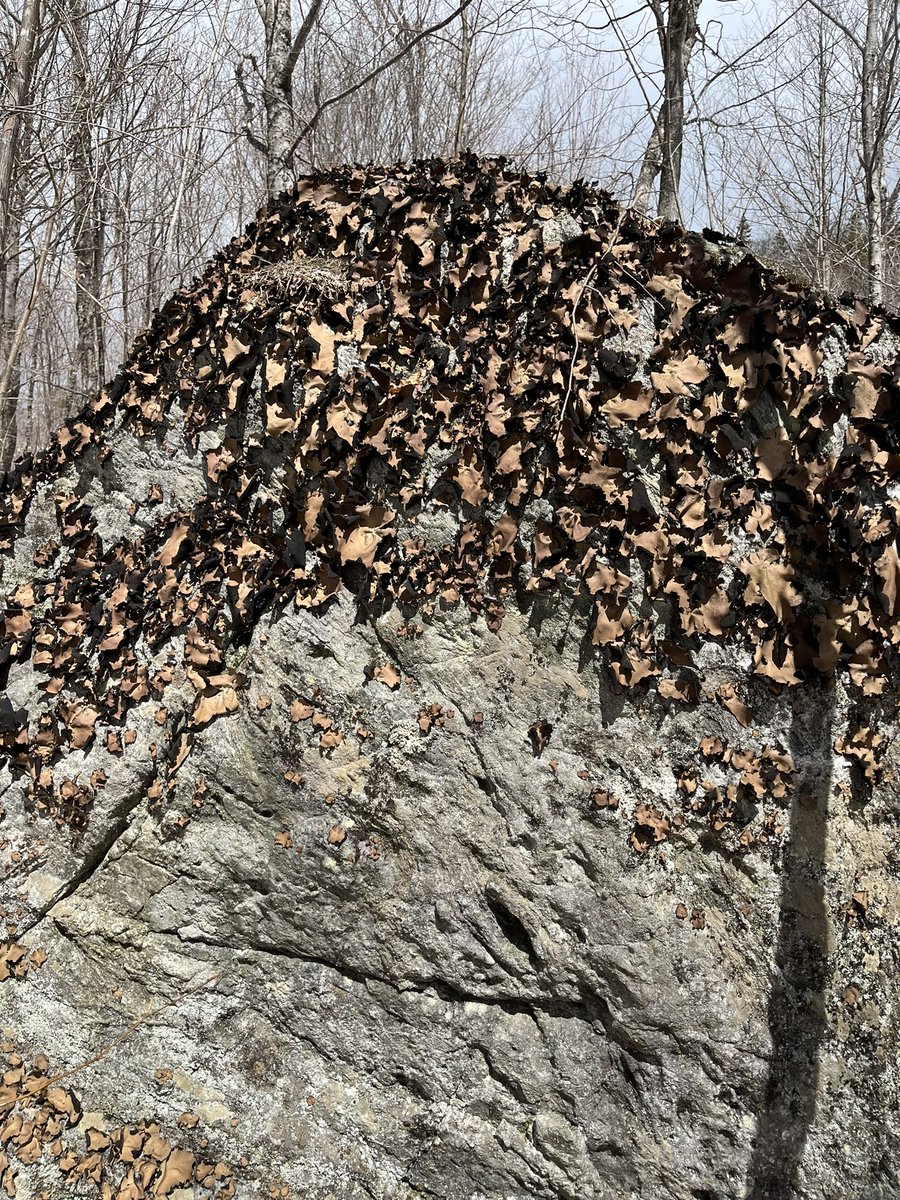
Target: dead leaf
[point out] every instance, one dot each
(651, 827)
(323, 359)
(169, 552)
(233, 348)
(774, 454)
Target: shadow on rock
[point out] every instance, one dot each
(797, 1004)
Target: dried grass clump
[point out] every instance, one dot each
(301, 278)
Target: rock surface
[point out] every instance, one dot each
(364, 893)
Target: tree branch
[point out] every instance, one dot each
(845, 29)
(302, 36)
(322, 108)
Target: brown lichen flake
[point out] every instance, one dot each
(651, 827)
(177, 1171)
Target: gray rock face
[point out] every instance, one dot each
(440, 909)
(428, 963)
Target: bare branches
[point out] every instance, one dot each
(18, 89)
(166, 122)
(380, 69)
(302, 36)
(831, 16)
(192, 133)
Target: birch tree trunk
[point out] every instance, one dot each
(87, 233)
(650, 165)
(18, 91)
(278, 95)
(873, 153)
(283, 49)
(464, 49)
(878, 48)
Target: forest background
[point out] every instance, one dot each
(139, 135)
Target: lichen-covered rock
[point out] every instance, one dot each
(449, 724)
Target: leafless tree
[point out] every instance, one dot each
(392, 59)
(137, 135)
(815, 127)
(87, 207)
(875, 37)
(676, 29)
(17, 88)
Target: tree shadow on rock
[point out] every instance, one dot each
(796, 1015)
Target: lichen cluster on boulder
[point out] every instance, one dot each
(448, 729)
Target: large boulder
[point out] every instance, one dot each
(448, 735)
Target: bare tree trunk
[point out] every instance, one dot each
(25, 440)
(879, 82)
(87, 235)
(873, 154)
(677, 31)
(650, 165)
(189, 164)
(278, 97)
(464, 50)
(152, 271)
(18, 89)
(18, 86)
(282, 51)
(123, 221)
(10, 436)
(10, 272)
(823, 198)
